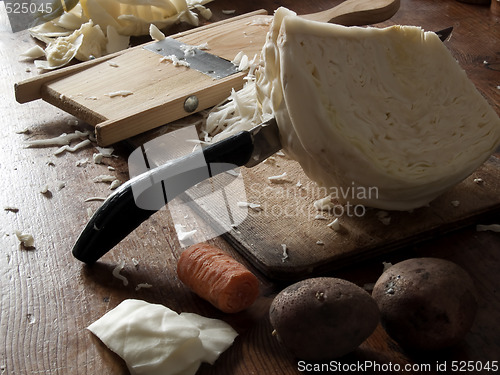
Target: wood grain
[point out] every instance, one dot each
(47, 298)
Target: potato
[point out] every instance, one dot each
(426, 303)
(323, 318)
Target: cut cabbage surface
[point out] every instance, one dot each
(374, 110)
(152, 339)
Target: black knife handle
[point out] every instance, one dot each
(119, 214)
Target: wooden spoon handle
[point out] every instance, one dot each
(357, 12)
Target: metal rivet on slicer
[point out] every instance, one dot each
(191, 103)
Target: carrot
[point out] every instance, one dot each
(218, 278)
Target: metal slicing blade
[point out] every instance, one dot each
(197, 59)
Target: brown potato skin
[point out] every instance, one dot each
(323, 318)
(426, 303)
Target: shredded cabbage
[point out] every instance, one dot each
(106, 26)
(240, 112)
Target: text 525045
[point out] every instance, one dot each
(27, 7)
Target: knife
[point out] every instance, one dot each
(121, 212)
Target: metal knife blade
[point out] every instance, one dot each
(266, 142)
(445, 34)
(121, 213)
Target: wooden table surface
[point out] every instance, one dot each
(48, 298)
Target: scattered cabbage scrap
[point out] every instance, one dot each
(106, 26)
(32, 53)
(152, 339)
(115, 42)
(86, 42)
(60, 52)
(155, 33)
(373, 110)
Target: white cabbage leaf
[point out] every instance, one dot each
(115, 42)
(154, 340)
(215, 335)
(32, 53)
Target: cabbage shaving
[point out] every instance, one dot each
(60, 53)
(240, 112)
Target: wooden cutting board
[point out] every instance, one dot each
(287, 214)
(158, 88)
(287, 217)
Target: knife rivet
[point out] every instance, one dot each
(191, 103)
